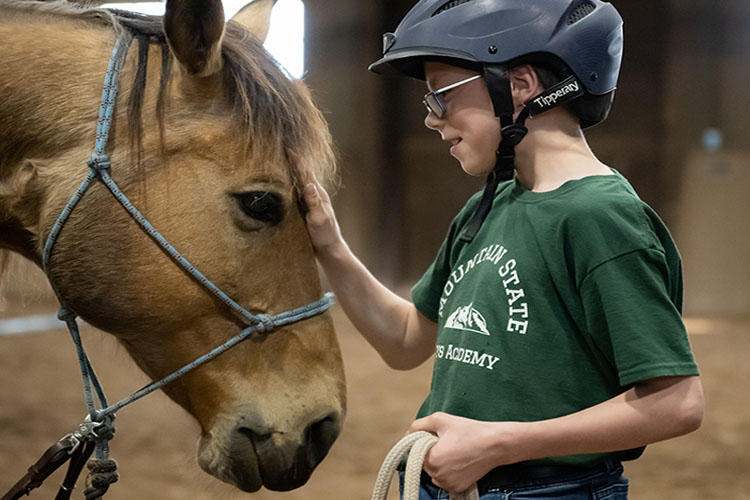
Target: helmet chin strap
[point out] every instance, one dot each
(511, 134)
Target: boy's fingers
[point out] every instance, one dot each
(322, 192)
(312, 196)
(317, 191)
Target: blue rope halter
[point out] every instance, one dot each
(98, 425)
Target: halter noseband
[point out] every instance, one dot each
(98, 428)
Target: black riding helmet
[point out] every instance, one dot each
(580, 41)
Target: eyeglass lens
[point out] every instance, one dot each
(434, 105)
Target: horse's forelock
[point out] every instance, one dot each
(274, 112)
(270, 108)
(266, 99)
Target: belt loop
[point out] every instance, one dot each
(613, 465)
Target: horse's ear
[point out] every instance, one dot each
(194, 29)
(255, 17)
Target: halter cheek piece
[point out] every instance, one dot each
(512, 132)
(98, 428)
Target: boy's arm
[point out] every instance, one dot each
(653, 410)
(403, 337)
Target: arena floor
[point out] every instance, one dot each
(40, 400)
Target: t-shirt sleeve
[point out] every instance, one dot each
(632, 319)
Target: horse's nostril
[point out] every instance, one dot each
(320, 435)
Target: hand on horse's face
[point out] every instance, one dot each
(322, 225)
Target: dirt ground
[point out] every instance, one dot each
(40, 400)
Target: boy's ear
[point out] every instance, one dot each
(524, 83)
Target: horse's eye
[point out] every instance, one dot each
(263, 206)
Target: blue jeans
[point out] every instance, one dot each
(604, 482)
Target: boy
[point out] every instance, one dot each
(553, 306)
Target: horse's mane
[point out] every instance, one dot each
(269, 107)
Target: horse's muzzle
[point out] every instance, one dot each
(255, 457)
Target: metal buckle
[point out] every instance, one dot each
(73, 438)
(87, 429)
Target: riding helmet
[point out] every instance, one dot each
(580, 38)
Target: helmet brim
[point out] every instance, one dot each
(410, 62)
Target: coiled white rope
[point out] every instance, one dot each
(416, 445)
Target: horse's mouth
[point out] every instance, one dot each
(239, 466)
(249, 460)
(240, 470)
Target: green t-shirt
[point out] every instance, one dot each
(563, 300)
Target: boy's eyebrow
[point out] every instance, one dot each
(434, 84)
(434, 81)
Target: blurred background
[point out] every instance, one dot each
(678, 131)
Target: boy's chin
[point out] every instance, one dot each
(476, 170)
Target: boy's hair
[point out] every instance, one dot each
(589, 109)
(549, 78)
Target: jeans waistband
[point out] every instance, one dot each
(521, 475)
(516, 474)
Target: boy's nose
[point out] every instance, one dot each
(431, 121)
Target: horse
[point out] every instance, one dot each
(212, 141)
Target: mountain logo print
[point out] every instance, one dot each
(467, 319)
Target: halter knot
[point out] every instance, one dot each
(98, 162)
(265, 323)
(66, 315)
(105, 429)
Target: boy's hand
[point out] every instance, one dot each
(321, 220)
(466, 449)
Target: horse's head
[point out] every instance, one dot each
(213, 150)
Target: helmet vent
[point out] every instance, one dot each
(582, 10)
(448, 6)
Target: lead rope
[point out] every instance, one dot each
(416, 445)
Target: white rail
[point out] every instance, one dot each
(28, 324)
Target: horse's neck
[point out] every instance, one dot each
(52, 73)
(51, 69)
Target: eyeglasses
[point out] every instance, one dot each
(435, 105)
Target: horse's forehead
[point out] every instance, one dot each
(220, 141)
(201, 131)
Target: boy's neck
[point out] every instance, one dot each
(553, 152)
